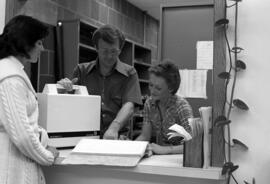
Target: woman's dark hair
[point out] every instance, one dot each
(169, 72)
(109, 34)
(20, 35)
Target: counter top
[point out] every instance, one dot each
(164, 165)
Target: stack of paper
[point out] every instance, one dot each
(206, 116)
(107, 152)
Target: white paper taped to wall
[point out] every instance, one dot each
(205, 55)
(193, 83)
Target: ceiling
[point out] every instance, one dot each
(152, 7)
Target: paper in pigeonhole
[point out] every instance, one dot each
(179, 131)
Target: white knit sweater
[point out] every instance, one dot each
(21, 149)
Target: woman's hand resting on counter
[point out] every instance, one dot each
(158, 150)
(54, 151)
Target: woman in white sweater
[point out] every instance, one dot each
(23, 143)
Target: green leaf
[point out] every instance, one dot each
(234, 168)
(240, 65)
(237, 49)
(229, 167)
(240, 104)
(253, 181)
(221, 22)
(226, 167)
(220, 118)
(224, 75)
(222, 123)
(237, 142)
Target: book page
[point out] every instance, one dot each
(106, 152)
(178, 130)
(110, 147)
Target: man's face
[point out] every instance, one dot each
(108, 53)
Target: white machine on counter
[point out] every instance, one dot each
(69, 117)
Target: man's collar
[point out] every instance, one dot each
(91, 66)
(120, 67)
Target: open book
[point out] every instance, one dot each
(107, 152)
(179, 131)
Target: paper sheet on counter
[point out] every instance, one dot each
(193, 83)
(107, 152)
(172, 160)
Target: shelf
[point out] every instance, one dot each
(77, 45)
(126, 54)
(87, 50)
(142, 72)
(86, 54)
(144, 81)
(144, 85)
(137, 115)
(142, 64)
(88, 47)
(142, 54)
(86, 33)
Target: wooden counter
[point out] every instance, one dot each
(156, 169)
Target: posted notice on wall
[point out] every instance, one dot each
(205, 55)
(193, 84)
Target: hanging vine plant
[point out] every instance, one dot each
(230, 102)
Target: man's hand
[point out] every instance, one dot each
(67, 84)
(112, 132)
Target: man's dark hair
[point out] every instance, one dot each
(109, 34)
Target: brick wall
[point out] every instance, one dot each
(136, 25)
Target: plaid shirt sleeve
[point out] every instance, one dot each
(184, 112)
